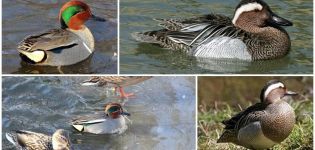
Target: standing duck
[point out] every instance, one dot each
(254, 33)
(109, 122)
(117, 82)
(70, 44)
(27, 140)
(264, 124)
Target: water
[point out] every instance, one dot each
(25, 17)
(136, 16)
(163, 115)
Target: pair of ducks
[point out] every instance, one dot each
(111, 121)
(260, 126)
(254, 33)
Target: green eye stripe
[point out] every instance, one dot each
(113, 109)
(69, 12)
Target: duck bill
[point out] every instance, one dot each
(279, 21)
(97, 18)
(125, 113)
(290, 93)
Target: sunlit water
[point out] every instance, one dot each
(162, 113)
(21, 18)
(137, 15)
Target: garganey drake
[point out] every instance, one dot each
(117, 82)
(111, 121)
(70, 44)
(254, 33)
(264, 124)
(27, 140)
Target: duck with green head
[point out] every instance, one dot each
(70, 44)
(111, 121)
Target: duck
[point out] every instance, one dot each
(111, 121)
(116, 81)
(68, 45)
(254, 33)
(264, 124)
(28, 140)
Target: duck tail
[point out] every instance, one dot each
(150, 36)
(12, 137)
(78, 127)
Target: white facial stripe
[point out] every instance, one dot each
(272, 87)
(246, 8)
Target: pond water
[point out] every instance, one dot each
(136, 16)
(162, 116)
(21, 18)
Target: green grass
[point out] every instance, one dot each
(210, 127)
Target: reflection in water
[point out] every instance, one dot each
(162, 116)
(23, 18)
(239, 66)
(137, 16)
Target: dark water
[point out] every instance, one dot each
(25, 17)
(162, 114)
(136, 16)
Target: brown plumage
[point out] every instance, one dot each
(264, 124)
(116, 81)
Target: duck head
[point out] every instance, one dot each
(253, 14)
(61, 140)
(274, 91)
(74, 14)
(114, 110)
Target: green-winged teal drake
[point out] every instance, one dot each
(111, 121)
(117, 82)
(27, 140)
(254, 33)
(70, 44)
(264, 124)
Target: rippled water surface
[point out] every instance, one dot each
(25, 17)
(162, 113)
(136, 16)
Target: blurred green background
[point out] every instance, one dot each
(214, 92)
(219, 98)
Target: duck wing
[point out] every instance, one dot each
(90, 119)
(193, 24)
(249, 115)
(48, 41)
(192, 34)
(245, 117)
(29, 140)
(123, 80)
(130, 80)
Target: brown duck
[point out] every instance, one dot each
(116, 81)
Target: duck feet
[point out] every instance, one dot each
(125, 95)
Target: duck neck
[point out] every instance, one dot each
(268, 42)
(280, 121)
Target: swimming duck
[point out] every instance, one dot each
(254, 33)
(116, 81)
(27, 140)
(111, 121)
(70, 44)
(264, 124)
